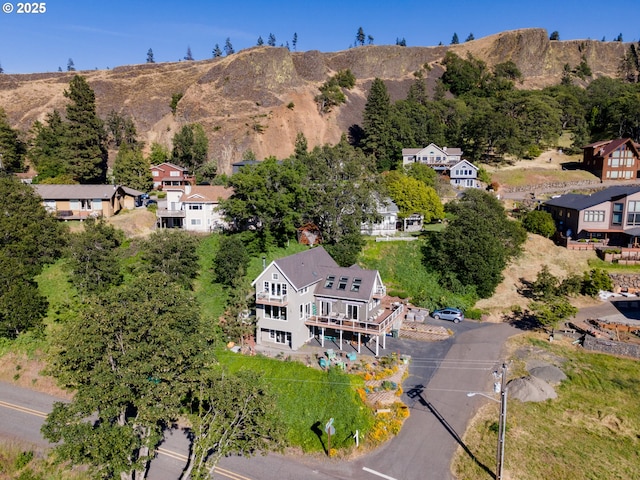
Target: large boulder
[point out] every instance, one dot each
(530, 389)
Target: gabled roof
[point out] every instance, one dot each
(574, 201)
(605, 147)
(305, 268)
(449, 151)
(132, 191)
(348, 283)
(206, 194)
(76, 192)
(467, 162)
(170, 165)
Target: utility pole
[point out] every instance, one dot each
(502, 423)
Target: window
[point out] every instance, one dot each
(274, 312)
(274, 276)
(266, 287)
(594, 216)
(355, 286)
(174, 174)
(278, 336)
(616, 218)
(633, 213)
(304, 290)
(195, 206)
(352, 312)
(155, 173)
(342, 284)
(196, 221)
(330, 280)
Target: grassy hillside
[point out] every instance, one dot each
(589, 432)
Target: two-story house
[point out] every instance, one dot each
(170, 175)
(194, 208)
(612, 159)
(308, 295)
(440, 159)
(388, 220)
(464, 174)
(612, 214)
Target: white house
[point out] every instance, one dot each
(440, 159)
(307, 295)
(464, 174)
(388, 223)
(194, 208)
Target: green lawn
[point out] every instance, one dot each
(310, 397)
(402, 269)
(589, 432)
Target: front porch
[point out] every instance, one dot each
(345, 332)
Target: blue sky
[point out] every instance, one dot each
(110, 33)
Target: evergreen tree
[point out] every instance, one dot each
(360, 37)
(47, 149)
(190, 147)
(271, 40)
(619, 38)
(228, 48)
(70, 66)
(370, 39)
(376, 125)
(1, 69)
(554, 35)
(12, 148)
(454, 39)
(188, 55)
(173, 253)
(216, 51)
(294, 42)
(260, 41)
(470, 38)
(231, 262)
(401, 42)
(131, 169)
(150, 56)
(85, 135)
(159, 154)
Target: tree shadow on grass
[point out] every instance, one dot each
(317, 429)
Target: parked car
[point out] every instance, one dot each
(453, 314)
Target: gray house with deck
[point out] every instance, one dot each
(309, 296)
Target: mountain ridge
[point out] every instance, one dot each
(260, 98)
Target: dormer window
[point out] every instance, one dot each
(355, 286)
(342, 284)
(330, 280)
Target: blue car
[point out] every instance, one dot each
(454, 315)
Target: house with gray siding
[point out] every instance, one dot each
(309, 296)
(612, 214)
(464, 174)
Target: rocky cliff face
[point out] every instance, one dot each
(260, 98)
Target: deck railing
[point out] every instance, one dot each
(381, 324)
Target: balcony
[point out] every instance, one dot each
(380, 292)
(165, 213)
(265, 298)
(381, 322)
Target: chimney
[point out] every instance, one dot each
(187, 188)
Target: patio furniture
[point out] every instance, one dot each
(331, 354)
(352, 356)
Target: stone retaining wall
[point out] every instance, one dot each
(611, 347)
(553, 186)
(625, 282)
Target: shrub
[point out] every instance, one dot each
(23, 459)
(473, 313)
(540, 223)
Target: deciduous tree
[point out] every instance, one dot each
(129, 357)
(94, 258)
(231, 262)
(477, 244)
(132, 169)
(190, 146)
(234, 414)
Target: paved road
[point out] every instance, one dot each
(441, 373)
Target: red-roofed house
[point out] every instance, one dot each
(170, 175)
(612, 159)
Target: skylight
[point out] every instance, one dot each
(342, 284)
(355, 286)
(330, 280)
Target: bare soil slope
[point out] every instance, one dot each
(260, 98)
